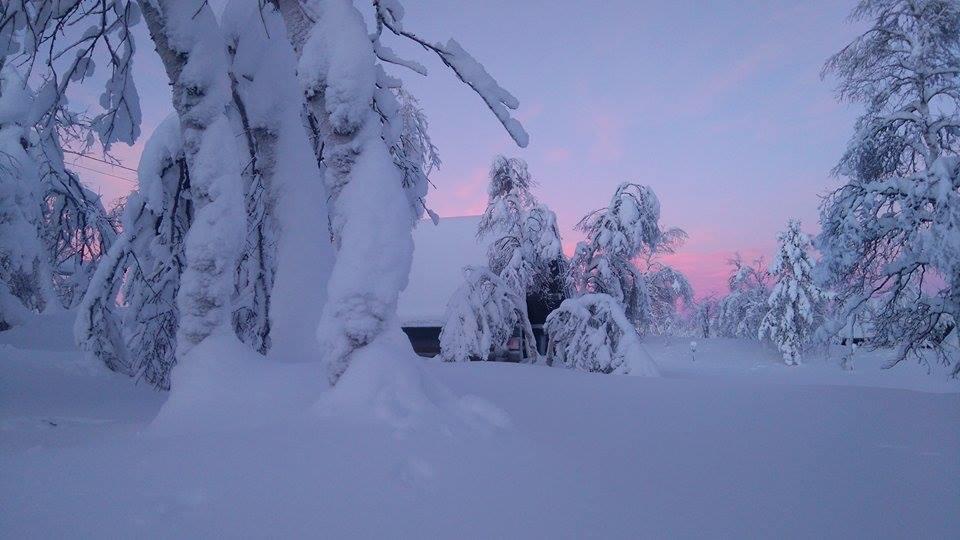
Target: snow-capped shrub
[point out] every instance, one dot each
(591, 333)
(481, 316)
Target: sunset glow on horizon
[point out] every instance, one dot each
(719, 108)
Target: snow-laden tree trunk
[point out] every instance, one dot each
(286, 199)
(352, 117)
(188, 40)
(370, 218)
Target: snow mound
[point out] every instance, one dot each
(222, 385)
(388, 383)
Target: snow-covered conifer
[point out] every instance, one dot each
(891, 232)
(795, 299)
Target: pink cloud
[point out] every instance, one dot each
(461, 196)
(607, 131)
(727, 79)
(556, 155)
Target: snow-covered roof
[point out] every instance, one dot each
(440, 253)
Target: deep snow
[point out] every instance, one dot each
(730, 444)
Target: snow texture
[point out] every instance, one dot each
(554, 454)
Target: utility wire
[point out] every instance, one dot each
(78, 154)
(103, 173)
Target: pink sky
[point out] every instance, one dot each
(718, 106)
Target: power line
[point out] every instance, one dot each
(78, 154)
(103, 173)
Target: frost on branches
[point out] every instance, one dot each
(591, 333)
(891, 234)
(795, 299)
(481, 316)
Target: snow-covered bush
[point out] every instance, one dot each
(481, 316)
(890, 233)
(795, 299)
(591, 333)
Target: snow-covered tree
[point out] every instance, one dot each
(24, 267)
(740, 312)
(66, 220)
(704, 316)
(129, 316)
(592, 333)
(481, 316)
(668, 288)
(504, 220)
(626, 231)
(891, 232)
(525, 249)
(246, 106)
(544, 248)
(352, 113)
(795, 299)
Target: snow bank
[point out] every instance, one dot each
(221, 385)
(708, 449)
(388, 382)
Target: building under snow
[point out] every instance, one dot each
(440, 253)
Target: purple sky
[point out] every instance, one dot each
(716, 105)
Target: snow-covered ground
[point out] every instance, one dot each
(732, 444)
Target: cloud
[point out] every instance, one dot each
(606, 130)
(556, 155)
(703, 96)
(462, 196)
